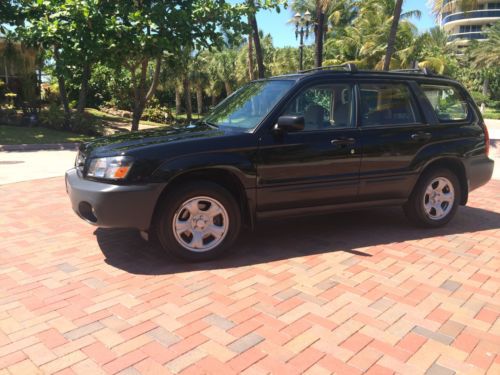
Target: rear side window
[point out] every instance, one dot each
(447, 101)
(386, 104)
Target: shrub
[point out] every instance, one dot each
(53, 117)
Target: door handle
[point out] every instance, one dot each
(343, 141)
(421, 136)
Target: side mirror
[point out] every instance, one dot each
(290, 123)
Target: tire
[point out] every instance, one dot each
(207, 221)
(432, 194)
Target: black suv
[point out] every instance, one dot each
(310, 143)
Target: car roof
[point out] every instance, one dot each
(350, 70)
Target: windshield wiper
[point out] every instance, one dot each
(211, 124)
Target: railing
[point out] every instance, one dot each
(491, 13)
(467, 36)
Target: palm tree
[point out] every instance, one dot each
(252, 21)
(392, 34)
(364, 40)
(485, 56)
(199, 78)
(434, 52)
(224, 66)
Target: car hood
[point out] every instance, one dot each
(123, 142)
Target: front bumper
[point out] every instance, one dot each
(112, 206)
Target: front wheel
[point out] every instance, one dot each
(435, 199)
(198, 221)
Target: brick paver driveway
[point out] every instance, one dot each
(342, 293)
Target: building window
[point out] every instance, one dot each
(470, 28)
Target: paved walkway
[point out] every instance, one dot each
(33, 165)
(344, 293)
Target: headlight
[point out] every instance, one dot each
(113, 168)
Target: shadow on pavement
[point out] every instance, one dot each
(285, 239)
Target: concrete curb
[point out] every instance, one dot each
(39, 147)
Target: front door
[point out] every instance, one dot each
(319, 165)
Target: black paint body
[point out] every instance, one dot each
(276, 173)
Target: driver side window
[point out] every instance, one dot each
(323, 107)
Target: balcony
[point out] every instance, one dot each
(491, 13)
(467, 36)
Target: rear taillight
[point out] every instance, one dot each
(487, 140)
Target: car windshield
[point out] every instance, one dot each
(248, 106)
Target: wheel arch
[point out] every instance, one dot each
(457, 167)
(218, 175)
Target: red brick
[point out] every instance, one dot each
(99, 353)
(125, 361)
(52, 338)
(379, 370)
(439, 315)
(465, 342)
(12, 358)
(487, 315)
(306, 359)
(411, 342)
(356, 342)
(246, 359)
(137, 330)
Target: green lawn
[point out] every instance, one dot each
(492, 113)
(13, 135)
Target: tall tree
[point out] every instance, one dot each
(391, 40)
(252, 21)
(485, 56)
(74, 35)
(251, 68)
(142, 30)
(319, 32)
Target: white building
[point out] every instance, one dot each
(466, 26)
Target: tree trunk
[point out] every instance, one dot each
(187, 98)
(250, 58)
(199, 99)
(256, 40)
(82, 97)
(486, 93)
(6, 74)
(214, 100)
(319, 35)
(62, 90)
(141, 96)
(229, 89)
(178, 101)
(391, 41)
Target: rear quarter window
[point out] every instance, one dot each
(447, 101)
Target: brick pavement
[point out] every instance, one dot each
(345, 293)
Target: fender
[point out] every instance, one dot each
(240, 165)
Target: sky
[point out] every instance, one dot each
(283, 34)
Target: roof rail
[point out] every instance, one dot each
(426, 71)
(347, 67)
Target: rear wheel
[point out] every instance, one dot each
(198, 221)
(435, 199)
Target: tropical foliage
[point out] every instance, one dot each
(122, 55)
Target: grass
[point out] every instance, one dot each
(14, 135)
(492, 113)
(10, 135)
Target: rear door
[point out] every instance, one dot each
(317, 166)
(393, 131)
